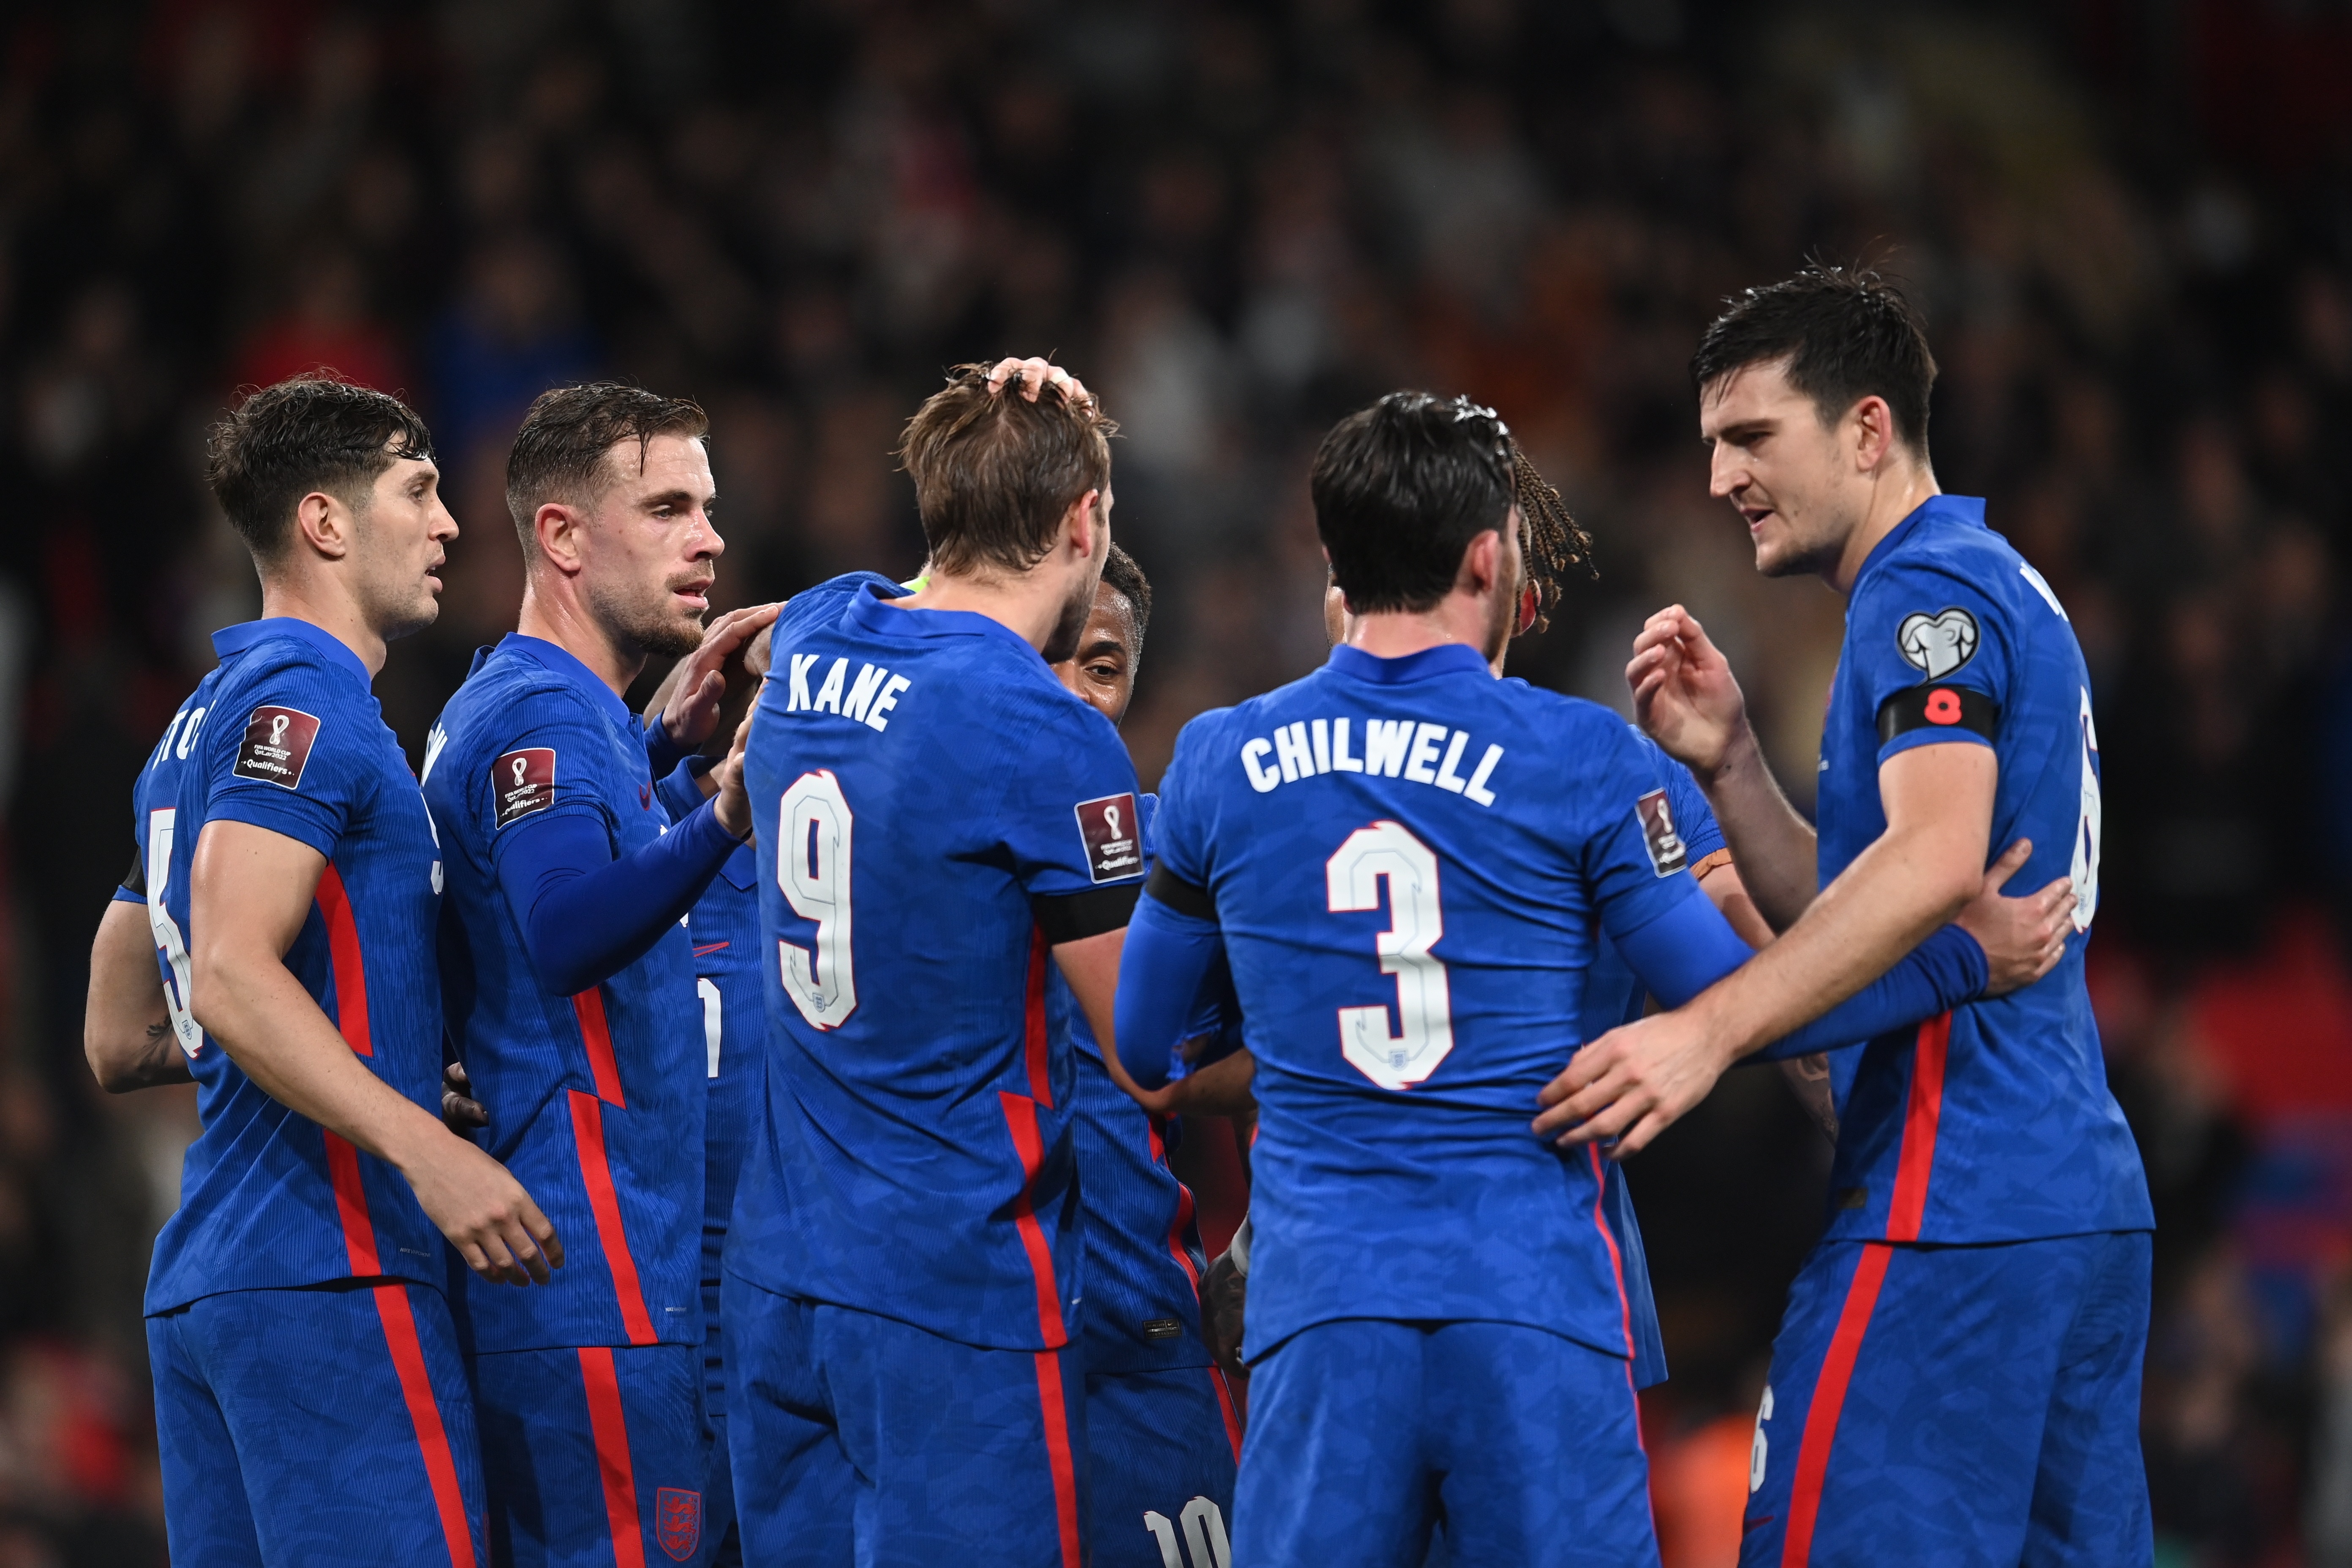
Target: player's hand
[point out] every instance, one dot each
(1633, 1083)
(1224, 1301)
(698, 686)
(1034, 374)
(460, 1113)
(1221, 1088)
(476, 1203)
(1685, 697)
(733, 804)
(2023, 939)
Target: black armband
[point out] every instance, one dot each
(135, 880)
(1934, 707)
(1179, 894)
(1074, 916)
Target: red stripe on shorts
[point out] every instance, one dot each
(343, 958)
(597, 1174)
(1021, 1121)
(594, 1033)
(424, 1414)
(611, 1430)
(1829, 1399)
(1058, 1455)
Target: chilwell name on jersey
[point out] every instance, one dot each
(1393, 748)
(868, 699)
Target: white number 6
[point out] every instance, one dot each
(813, 872)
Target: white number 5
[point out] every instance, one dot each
(813, 873)
(1352, 877)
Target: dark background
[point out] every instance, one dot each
(2130, 227)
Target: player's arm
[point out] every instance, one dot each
(1686, 699)
(126, 1027)
(1808, 1076)
(585, 916)
(1854, 947)
(250, 891)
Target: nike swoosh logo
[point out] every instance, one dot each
(1748, 1524)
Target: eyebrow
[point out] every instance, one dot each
(1101, 645)
(682, 498)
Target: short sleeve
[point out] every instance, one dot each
(299, 754)
(547, 753)
(1932, 656)
(1693, 817)
(1073, 815)
(1636, 859)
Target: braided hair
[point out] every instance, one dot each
(1551, 541)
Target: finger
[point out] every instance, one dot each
(542, 1231)
(499, 1264)
(712, 691)
(1581, 1069)
(1033, 378)
(454, 1072)
(1604, 1094)
(1001, 370)
(1643, 1131)
(1600, 1129)
(526, 1251)
(2012, 860)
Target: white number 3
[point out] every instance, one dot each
(813, 873)
(1424, 1012)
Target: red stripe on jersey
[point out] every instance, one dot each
(351, 1206)
(1920, 1115)
(1616, 1259)
(597, 1174)
(1829, 1399)
(343, 958)
(589, 1007)
(1057, 1454)
(1184, 1261)
(1225, 1409)
(1021, 1121)
(424, 1414)
(610, 1428)
(1041, 1081)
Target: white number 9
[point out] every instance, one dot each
(813, 873)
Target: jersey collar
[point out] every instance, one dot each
(560, 661)
(1966, 510)
(868, 610)
(1446, 659)
(236, 639)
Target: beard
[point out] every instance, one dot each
(1063, 644)
(652, 623)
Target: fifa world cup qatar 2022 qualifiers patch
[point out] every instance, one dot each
(1112, 830)
(1669, 852)
(523, 782)
(276, 746)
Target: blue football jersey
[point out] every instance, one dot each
(285, 734)
(1615, 995)
(596, 1101)
(935, 812)
(1144, 1262)
(1409, 860)
(1994, 1123)
(724, 928)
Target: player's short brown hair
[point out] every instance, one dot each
(1847, 333)
(994, 472)
(312, 432)
(559, 454)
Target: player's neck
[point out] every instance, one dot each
(325, 606)
(1393, 634)
(1896, 492)
(557, 617)
(1030, 605)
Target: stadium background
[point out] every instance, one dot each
(2131, 226)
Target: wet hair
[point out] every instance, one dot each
(1401, 488)
(1124, 577)
(313, 432)
(558, 453)
(1847, 334)
(994, 472)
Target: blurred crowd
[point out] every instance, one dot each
(2130, 227)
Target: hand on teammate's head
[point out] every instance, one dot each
(1034, 374)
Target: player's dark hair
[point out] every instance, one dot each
(313, 432)
(994, 472)
(1124, 578)
(558, 453)
(1847, 334)
(1401, 488)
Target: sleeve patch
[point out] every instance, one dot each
(276, 746)
(1932, 707)
(1939, 644)
(1112, 830)
(1668, 853)
(522, 783)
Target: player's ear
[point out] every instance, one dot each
(1481, 565)
(1871, 424)
(1084, 521)
(558, 528)
(323, 525)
